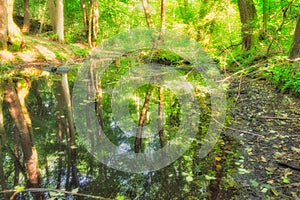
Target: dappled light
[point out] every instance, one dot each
(166, 100)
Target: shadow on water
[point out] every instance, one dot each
(66, 164)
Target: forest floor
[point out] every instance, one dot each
(41, 50)
(267, 126)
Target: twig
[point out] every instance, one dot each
(234, 129)
(285, 164)
(279, 118)
(239, 90)
(15, 192)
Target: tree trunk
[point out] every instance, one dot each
(2, 143)
(138, 144)
(71, 127)
(27, 143)
(163, 16)
(147, 13)
(26, 24)
(84, 16)
(14, 36)
(295, 49)
(60, 20)
(52, 14)
(93, 22)
(3, 24)
(247, 16)
(160, 117)
(61, 131)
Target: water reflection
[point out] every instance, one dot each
(66, 164)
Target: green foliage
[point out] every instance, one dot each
(286, 76)
(78, 51)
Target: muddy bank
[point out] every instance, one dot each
(267, 125)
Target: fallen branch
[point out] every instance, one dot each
(15, 193)
(279, 118)
(239, 90)
(285, 164)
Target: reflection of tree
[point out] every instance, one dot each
(18, 111)
(138, 144)
(70, 132)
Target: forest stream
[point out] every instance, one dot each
(257, 155)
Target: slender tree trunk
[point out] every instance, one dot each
(138, 144)
(23, 87)
(84, 16)
(160, 117)
(61, 127)
(60, 20)
(71, 126)
(15, 36)
(93, 22)
(3, 24)
(147, 12)
(247, 16)
(295, 49)
(27, 143)
(2, 143)
(26, 24)
(52, 14)
(37, 95)
(163, 16)
(265, 16)
(16, 155)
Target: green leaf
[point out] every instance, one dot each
(120, 198)
(264, 190)
(275, 192)
(286, 179)
(207, 177)
(19, 188)
(254, 183)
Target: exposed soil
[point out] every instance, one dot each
(267, 125)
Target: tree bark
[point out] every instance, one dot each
(247, 17)
(2, 143)
(160, 117)
(14, 36)
(138, 144)
(71, 127)
(26, 139)
(60, 20)
(84, 17)
(52, 14)
(147, 12)
(26, 24)
(163, 16)
(93, 22)
(295, 49)
(3, 24)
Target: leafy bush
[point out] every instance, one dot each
(286, 76)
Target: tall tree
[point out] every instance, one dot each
(163, 15)
(26, 139)
(26, 24)
(93, 22)
(9, 31)
(147, 12)
(52, 14)
(247, 17)
(3, 24)
(60, 21)
(2, 143)
(295, 49)
(84, 16)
